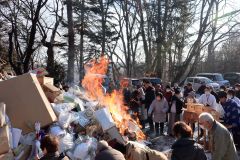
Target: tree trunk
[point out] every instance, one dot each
(195, 50)
(103, 21)
(158, 66)
(29, 51)
(211, 57)
(71, 48)
(81, 67)
(50, 60)
(148, 56)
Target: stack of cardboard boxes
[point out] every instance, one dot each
(5, 148)
(25, 102)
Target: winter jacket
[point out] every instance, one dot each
(149, 96)
(223, 147)
(168, 96)
(187, 91)
(237, 94)
(135, 152)
(108, 153)
(179, 104)
(159, 110)
(134, 104)
(187, 149)
(54, 156)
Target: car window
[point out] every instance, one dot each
(206, 80)
(219, 77)
(211, 77)
(135, 82)
(231, 76)
(190, 80)
(196, 80)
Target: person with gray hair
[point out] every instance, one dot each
(221, 140)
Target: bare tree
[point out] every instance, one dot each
(43, 28)
(71, 45)
(13, 11)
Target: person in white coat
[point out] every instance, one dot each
(207, 99)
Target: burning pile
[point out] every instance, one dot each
(92, 82)
(78, 117)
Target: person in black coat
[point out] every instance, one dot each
(149, 97)
(237, 90)
(201, 89)
(175, 110)
(214, 94)
(188, 89)
(185, 148)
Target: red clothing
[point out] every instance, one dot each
(168, 96)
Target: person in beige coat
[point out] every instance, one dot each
(135, 152)
(158, 109)
(221, 140)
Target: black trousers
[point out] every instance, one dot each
(150, 121)
(142, 122)
(157, 127)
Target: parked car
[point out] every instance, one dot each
(131, 81)
(215, 77)
(232, 77)
(153, 80)
(198, 81)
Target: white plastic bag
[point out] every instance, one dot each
(81, 151)
(66, 143)
(65, 119)
(57, 131)
(62, 107)
(71, 98)
(28, 138)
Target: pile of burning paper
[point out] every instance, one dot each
(78, 117)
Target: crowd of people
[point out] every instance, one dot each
(161, 107)
(160, 111)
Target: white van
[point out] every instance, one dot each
(198, 81)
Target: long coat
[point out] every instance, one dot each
(223, 147)
(159, 110)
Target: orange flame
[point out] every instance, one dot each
(92, 82)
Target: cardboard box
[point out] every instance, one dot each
(4, 140)
(7, 156)
(51, 92)
(114, 134)
(2, 114)
(45, 80)
(26, 102)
